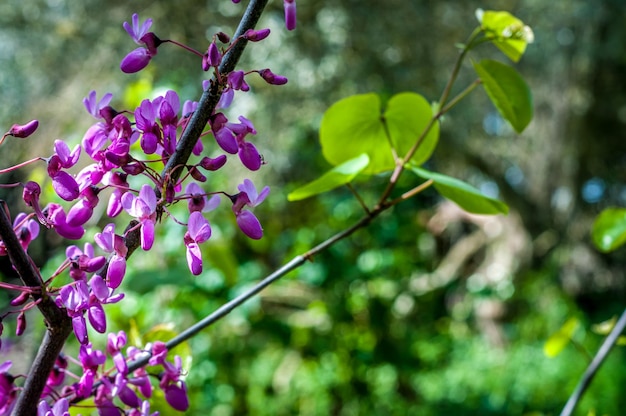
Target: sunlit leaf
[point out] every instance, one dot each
(559, 340)
(508, 92)
(605, 327)
(353, 126)
(609, 229)
(338, 176)
(463, 194)
(407, 115)
(508, 33)
(358, 124)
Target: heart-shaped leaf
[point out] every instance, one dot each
(357, 125)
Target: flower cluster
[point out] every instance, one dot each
(132, 389)
(128, 152)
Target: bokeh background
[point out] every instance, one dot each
(429, 311)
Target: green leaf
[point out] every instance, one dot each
(407, 116)
(357, 125)
(609, 229)
(339, 175)
(604, 327)
(559, 340)
(508, 33)
(507, 91)
(463, 194)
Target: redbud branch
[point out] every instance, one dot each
(58, 324)
(293, 264)
(194, 129)
(210, 97)
(592, 369)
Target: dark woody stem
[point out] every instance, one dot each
(58, 324)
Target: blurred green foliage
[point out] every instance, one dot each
(354, 331)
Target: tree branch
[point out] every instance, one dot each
(592, 369)
(58, 324)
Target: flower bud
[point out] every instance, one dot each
(256, 35)
(196, 174)
(25, 130)
(21, 324)
(272, 78)
(223, 37)
(20, 299)
(31, 193)
(213, 164)
(290, 14)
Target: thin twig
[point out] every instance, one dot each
(592, 369)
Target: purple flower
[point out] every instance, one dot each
(250, 225)
(8, 391)
(25, 229)
(113, 243)
(135, 61)
(64, 185)
(126, 394)
(139, 58)
(246, 220)
(143, 208)
(290, 14)
(67, 158)
(118, 181)
(83, 261)
(136, 31)
(198, 231)
(145, 116)
(249, 156)
(212, 57)
(250, 190)
(176, 396)
(55, 216)
(198, 200)
(115, 343)
(60, 408)
(89, 358)
(75, 299)
(81, 212)
(94, 107)
(236, 81)
(174, 388)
